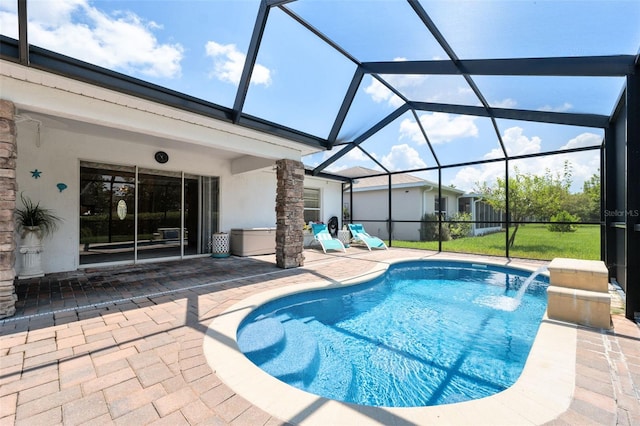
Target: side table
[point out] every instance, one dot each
(344, 235)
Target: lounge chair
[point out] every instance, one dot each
(325, 239)
(360, 235)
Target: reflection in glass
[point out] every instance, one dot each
(106, 236)
(159, 215)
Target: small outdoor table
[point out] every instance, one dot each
(344, 235)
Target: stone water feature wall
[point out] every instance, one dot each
(578, 292)
(289, 214)
(8, 186)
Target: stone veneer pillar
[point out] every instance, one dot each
(289, 214)
(8, 155)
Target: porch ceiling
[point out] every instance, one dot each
(92, 129)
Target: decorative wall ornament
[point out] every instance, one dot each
(61, 186)
(161, 157)
(122, 209)
(36, 173)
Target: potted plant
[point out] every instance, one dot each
(34, 223)
(345, 213)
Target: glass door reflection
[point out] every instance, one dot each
(107, 201)
(159, 215)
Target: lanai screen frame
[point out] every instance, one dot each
(626, 66)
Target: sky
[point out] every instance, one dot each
(198, 47)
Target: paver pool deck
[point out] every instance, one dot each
(124, 345)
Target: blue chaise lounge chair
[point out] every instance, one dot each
(325, 239)
(360, 235)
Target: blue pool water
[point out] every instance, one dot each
(424, 333)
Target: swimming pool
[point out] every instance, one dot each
(449, 338)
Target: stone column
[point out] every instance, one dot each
(8, 186)
(289, 214)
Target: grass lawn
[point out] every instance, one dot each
(532, 242)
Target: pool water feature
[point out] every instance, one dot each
(413, 337)
(508, 303)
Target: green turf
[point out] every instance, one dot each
(532, 242)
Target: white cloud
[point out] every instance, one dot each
(583, 164)
(418, 87)
(582, 140)
(403, 157)
(467, 177)
(422, 88)
(516, 143)
(9, 18)
(121, 41)
(228, 63)
(379, 93)
(354, 157)
(561, 108)
(440, 128)
(356, 154)
(505, 103)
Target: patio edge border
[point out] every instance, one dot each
(542, 393)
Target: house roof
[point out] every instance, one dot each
(400, 180)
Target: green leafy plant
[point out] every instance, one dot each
(33, 215)
(345, 213)
(430, 229)
(461, 225)
(563, 216)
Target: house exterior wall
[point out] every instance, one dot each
(246, 200)
(371, 207)
(94, 124)
(406, 204)
(330, 197)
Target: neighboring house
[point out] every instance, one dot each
(483, 214)
(411, 198)
(127, 175)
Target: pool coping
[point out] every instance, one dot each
(542, 393)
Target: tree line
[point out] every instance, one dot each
(544, 198)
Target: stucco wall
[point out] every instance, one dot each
(330, 197)
(247, 200)
(407, 204)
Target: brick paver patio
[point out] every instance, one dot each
(124, 345)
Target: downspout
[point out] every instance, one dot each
(425, 189)
(425, 205)
(351, 201)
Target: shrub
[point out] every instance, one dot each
(563, 216)
(461, 227)
(429, 229)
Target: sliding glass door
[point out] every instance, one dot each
(107, 226)
(167, 214)
(159, 214)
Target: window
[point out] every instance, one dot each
(486, 216)
(311, 205)
(440, 205)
